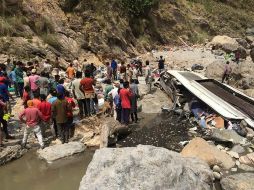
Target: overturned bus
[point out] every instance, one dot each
(229, 103)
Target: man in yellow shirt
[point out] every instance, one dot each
(70, 72)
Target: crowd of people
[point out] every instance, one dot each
(50, 94)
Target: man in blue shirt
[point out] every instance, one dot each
(114, 69)
(12, 77)
(60, 88)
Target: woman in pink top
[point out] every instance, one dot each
(125, 96)
(33, 117)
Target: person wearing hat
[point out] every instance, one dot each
(33, 117)
(33, 82)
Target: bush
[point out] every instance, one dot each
(138, 7)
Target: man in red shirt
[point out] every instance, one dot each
(26, 95)
(125, 96)
(45, 109)
(86, 86)
(33, 117)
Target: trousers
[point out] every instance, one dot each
(37, 130)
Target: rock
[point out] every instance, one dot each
(199, 148)
(233, 154)
(241, 181)
(243, 43)
(247, 159)
(216, 175)
(220, 147)
(238, 148)
(56, 152)
(252, 54)
(249, 136)
(145, 167)
(11, 153)
(89, 130)
(216, 169)
(233, 169)
(219, 41)
(249, 150)
(237, 163)
(250, 39)
(215, 69)
(152, 103)
(224, 135)
(250, 31)
(246, 168)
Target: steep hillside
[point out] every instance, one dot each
(106, 28)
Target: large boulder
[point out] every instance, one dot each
(56, 152)
(145, 167)
(224, 135)
(89, 130)
(241, 181)
(226, 43)
(11, 153)
(199, 148)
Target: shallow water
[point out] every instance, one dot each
(31, 173)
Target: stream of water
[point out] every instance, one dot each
(31, 173)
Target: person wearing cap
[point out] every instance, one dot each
(32, 116)
(33, 82)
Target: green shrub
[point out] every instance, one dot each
(138, 7)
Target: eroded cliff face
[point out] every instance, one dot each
(104, 28)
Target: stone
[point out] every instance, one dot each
(89, 129)
(199, 148)
(233, 169)
(145, 167)
(225, 135)
(243, 42)
(250, 39)
(56, 152)
(237, 163)
(247, 159)
(11, 153)
(233, 154)
(252, 54)
(238, 148)
(249, 150)
(220, 147)
(216, 169)
(241, 181)
(216, 175)
(246, 168)
(250, 31)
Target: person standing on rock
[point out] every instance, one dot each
(60, 87)
(227, 72)
(19, 78)
(79, 95)
(148, 76)
(70, 72)
(125, 97)
(32, 119)
(59, 111)
(86, 86)
(161, 64)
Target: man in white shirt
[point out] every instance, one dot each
(78, 94)
(113, 93)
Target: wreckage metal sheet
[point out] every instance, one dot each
(216, 103)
